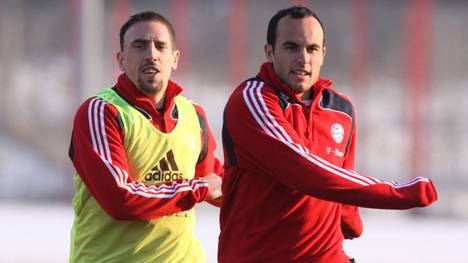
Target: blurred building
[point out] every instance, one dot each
(403, 63)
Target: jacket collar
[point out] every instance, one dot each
(268, 74)
(134, 96)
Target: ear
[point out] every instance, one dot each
(268, 52)
(176, 56)
(120, 60)
(324, 50)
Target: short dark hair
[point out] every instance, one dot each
(143, 17)
(296, 12)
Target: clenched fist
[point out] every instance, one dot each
(214, 186)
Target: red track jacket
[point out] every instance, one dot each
(93, 168)
(287, 168)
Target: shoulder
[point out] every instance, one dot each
(93, 106)
(251, 92)
(327, 86)
(338, 94)
(198, 108)
(335, 100)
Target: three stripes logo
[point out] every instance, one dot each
(166, 170)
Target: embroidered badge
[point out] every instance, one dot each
(337, 132)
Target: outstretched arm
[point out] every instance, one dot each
(257, 126)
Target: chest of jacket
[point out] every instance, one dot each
(326, 126)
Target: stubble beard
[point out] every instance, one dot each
(301, 88)
(152, 87)
(297, 86)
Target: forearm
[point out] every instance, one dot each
(100, 160)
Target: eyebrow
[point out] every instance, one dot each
(315, 45)
(139, 40)
(143, 40)
(291, 43)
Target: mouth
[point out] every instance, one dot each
(301, 73)
(150, 71)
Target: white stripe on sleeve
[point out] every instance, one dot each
(265, 121)
(254, 99)
(101, 146)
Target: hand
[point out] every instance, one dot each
(419, 192)
(426, 193)
(214, 186)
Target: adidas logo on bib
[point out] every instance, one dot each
(166, 170)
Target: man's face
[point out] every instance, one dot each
(148, 56)
(298, 53)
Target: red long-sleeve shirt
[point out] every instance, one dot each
(287, 168)
(93, 166)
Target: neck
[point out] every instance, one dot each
(158, 97)
(307, 95)
(160, 102)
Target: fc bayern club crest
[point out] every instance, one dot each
(337, 132)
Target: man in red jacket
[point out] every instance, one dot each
(289, 189)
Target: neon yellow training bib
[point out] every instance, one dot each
(153, 157)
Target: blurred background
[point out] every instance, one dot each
(403, 63)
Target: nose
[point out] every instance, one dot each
(152, 52)
(303, 56)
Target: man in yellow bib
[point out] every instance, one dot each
(144, 156)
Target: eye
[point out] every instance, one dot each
(290, 47)
(312, 49)
(139, 45)
(160, 45)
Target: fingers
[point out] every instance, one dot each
(429, 194)
(214, 186)
(425, 192)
